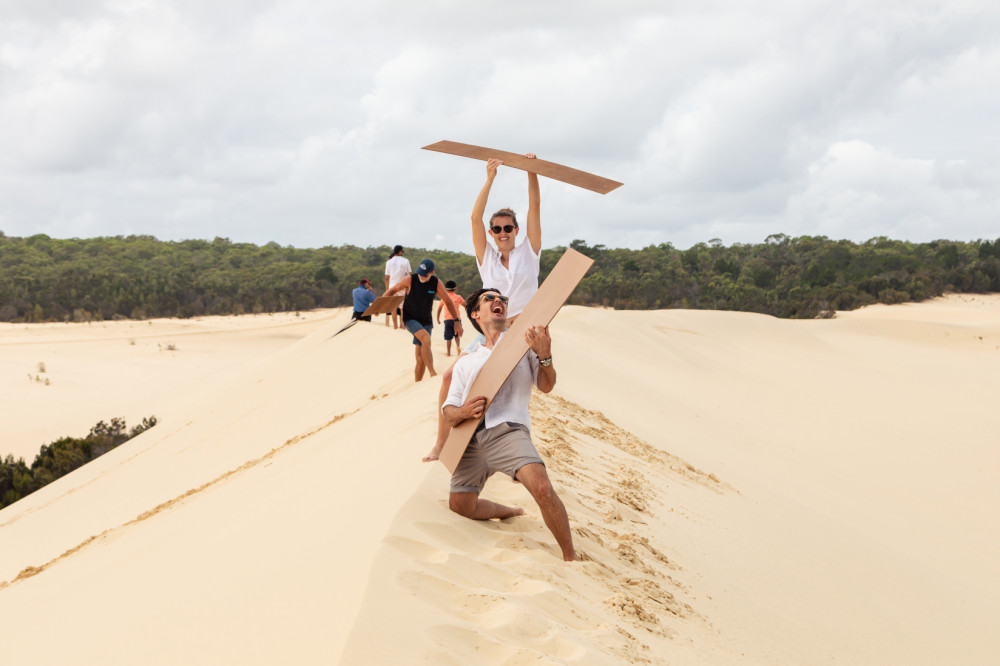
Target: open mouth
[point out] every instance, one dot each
(498, 307)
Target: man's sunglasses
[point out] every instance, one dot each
(507, 228)
(491, 296)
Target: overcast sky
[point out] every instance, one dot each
(300, 121)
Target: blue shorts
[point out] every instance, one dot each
(449, 329)
(412, 325)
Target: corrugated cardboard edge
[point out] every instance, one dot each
(383, 305)
(565, 174)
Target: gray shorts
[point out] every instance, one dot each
(503, 448)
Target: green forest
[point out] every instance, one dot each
(47, 279)
(61, 457)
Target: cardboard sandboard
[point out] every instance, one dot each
(565, 174)
(383, 305)
(541, 309)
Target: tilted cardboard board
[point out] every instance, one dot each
(541, 309)
(564, 174)
(384, 305)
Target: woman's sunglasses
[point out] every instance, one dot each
(507, 228)
(490, 296)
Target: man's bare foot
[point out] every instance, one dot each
(571, 556)
(514, 511)
(435, 454)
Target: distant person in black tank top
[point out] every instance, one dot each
(418, 316)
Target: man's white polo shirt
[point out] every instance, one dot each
(518, 283)
(511, 401)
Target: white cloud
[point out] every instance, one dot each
(300, 121)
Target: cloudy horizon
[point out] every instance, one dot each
(301, 122)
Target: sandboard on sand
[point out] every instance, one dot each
(565, 174)
(383, 305)
(541, 309)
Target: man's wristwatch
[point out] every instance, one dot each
(545, 362)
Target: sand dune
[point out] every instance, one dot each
(744, 489)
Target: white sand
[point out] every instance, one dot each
(748, 490)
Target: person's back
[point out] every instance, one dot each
(396, 269)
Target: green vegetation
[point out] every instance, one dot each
(785, 277)
(61, 457)
(46, 279)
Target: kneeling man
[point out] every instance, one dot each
(503, 441)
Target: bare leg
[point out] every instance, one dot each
(470, 506)
(387, 318)
(443, 427)
(425, 353)
(447, 348)
(418, 372)
(536, 480)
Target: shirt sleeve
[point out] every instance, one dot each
(458, 381)
(533, 363)
(488, 253)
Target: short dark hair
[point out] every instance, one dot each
(504, 212)
(472, 304)
(396, 250)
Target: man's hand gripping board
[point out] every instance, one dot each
(541, 309)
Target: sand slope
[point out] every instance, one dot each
(746, 490)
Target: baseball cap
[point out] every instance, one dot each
(450, 285)
(425, 268)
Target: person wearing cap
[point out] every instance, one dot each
(509, 268)
(449, 322)
(363, 297)
(502, 442)
(421, 287)
(397, 268)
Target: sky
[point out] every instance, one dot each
(301, 121)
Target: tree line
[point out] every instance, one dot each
(47, 279)
(61, 457)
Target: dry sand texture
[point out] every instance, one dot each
(745, 490)
(108, 369)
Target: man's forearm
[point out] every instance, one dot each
(452, 415)
(546, 378)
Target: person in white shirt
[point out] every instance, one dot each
(396, 269)
(502, 442)
(513, 270)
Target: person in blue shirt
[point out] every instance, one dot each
(363, 297)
